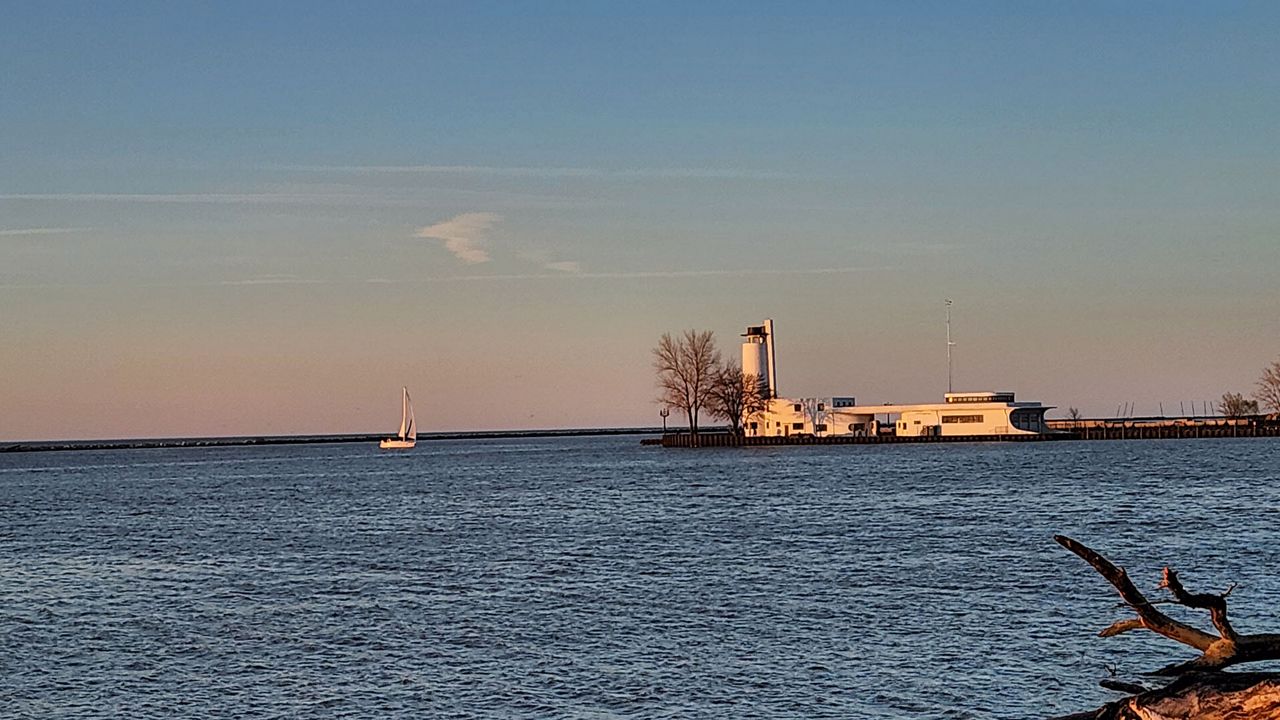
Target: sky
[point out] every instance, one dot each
(246, 218)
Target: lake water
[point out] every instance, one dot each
(595, 578)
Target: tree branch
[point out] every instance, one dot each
(1122, 626)
(1215, 604)
(1151, 618)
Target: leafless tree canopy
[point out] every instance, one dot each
(736, 397)
(815, 411)
(1234, 405)
(1268, 392)
(686, 367)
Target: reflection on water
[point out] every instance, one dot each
(592, 578)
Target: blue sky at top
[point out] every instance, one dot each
(1095, 183)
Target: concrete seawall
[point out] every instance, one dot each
(705, 440)
(1094, 431)
(1171, 431)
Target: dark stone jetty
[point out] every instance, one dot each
(153, 443)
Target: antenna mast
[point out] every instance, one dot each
(949, 345)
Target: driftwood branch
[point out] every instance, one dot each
(1215, 604)
(1122, 626)
(1198, 696)
(1217, 651)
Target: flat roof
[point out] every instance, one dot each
(894, 409)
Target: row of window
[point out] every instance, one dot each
(962, 418)
(835, 403)
(800, 408)
(979, 398)
(819, 427)
(1027, 420)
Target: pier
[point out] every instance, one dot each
(1150, 429)
(724, 439)
(1169, 428)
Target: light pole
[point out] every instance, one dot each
(949, 345)
(665, 413)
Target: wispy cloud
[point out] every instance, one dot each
(23, 232)
(562, 276)
(271, 280)
(565, 266)
(552, 172)
(355, 197)
(249, 198)
(463, 235)
(649, 274)
(918, 248)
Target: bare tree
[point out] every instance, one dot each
(736, 397)
(755, 399)
(1073, 414)
(815, 411)
(1234, 405)
(686, 368)
(1268, 392)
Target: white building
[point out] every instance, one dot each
(967, 413)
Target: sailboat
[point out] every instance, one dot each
(408, 435)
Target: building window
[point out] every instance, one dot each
(797, 426)
(962, 418)
(917, 422)
(820, 427)
(753, 426)
(997, 397)
(821, 407)
(796, 407)
(1025, 420)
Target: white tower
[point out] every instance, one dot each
(757, 355)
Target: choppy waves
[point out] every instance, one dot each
(593, 578)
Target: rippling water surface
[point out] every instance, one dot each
(594, 578)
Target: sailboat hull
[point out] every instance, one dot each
(396, 444)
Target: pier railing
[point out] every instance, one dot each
(1170, 429)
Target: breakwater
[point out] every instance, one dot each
(155, 443)
(1060, 430)
(713, 439)
(1168, 430)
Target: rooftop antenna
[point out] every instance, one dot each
(949, 344)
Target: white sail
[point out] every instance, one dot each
(412, 428)
(407, 436)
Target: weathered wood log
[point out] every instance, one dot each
(1200, 690)
(1199, 696)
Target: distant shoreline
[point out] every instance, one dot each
(158, 443)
